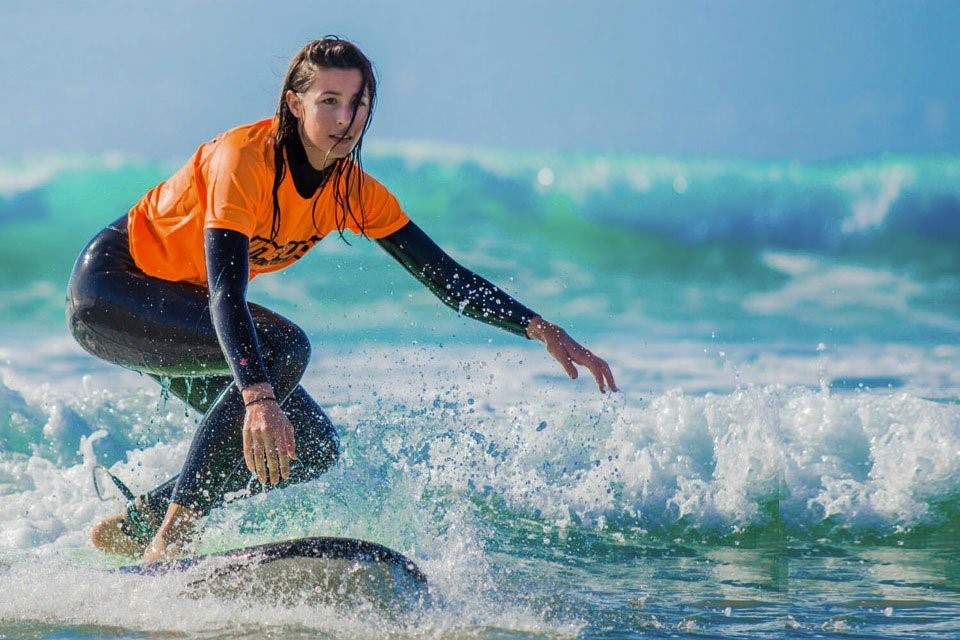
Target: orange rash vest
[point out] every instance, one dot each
(228, 184)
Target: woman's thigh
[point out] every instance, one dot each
(155, 326)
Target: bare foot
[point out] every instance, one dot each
(109, 537)
(179, 528)
(159, 550)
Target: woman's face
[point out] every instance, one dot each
(324, 112)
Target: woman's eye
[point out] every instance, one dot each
(330, 100)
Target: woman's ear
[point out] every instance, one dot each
(294, 103)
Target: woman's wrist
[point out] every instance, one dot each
(258, 393)
(535, 328)
(257, 401)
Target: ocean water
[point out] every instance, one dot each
(783, 459)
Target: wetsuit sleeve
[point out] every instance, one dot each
(228, 271)
(455, 286)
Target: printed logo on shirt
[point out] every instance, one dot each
(265, 252)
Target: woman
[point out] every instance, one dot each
(163, 291)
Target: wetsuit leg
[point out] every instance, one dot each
(163, 328)
(199, 393)
(317, 449)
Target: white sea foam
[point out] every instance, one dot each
(559, 449)
(872, 193)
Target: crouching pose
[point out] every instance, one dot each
(162, 290)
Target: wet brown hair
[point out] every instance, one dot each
(330, 52)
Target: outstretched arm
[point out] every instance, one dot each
(457, 287)
(475, 297)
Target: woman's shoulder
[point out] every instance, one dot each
(356, 177)
(243, 144)
(250, 132)
(254, 136)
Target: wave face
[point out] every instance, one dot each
(747, 250)
(810, 463)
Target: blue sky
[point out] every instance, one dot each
(801, 79)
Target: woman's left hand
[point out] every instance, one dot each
(568, 352)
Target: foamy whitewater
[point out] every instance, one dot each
(783, 459)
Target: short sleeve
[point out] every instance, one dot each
(235, 188)
(382, 212)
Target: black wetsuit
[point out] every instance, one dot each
(204, 344)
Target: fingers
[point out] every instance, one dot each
(600, 370)
(273, 463)
(608, 374)
(283, 446)
(284, 464)
(601, 373)
(567, 352)
(259, 462)
(272, 460)
(290, 443)
(562, 356)
(593, 364)
(268, 446)
(248, 451)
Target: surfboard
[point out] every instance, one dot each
(336, 571)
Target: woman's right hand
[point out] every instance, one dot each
(268, 441)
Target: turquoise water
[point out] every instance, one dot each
(782, 460)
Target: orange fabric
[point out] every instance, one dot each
(228, 184)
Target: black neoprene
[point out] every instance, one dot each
(164, 329)
(455, 286)
(228, 271)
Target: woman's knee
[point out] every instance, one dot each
(285, 346)
(316, 458)
(81, 308)
(317, 443)
(80, 314)
(298, 348)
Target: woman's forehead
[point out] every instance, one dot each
(339, 81)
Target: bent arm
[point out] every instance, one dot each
(228, 271)
(455, 286)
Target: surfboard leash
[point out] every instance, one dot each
(124, 489)
(138, 523)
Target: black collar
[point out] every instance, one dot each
(306, 179)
